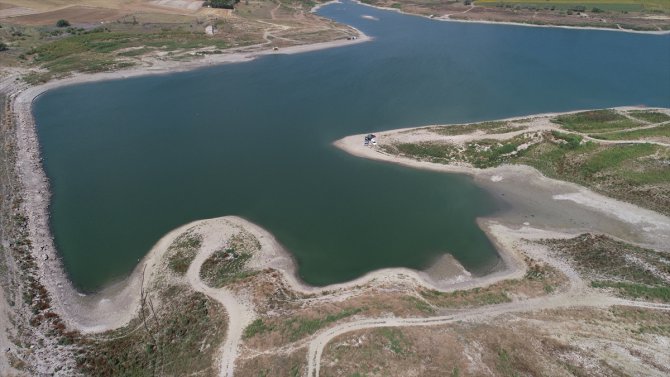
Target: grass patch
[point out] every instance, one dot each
(588, 6)
(569, 141)
(182, 251)
(596, 120)
(175, 343)
(297, 328)
(94, 50)
(135, 52)
(481, 154)
(649, 116)
(614, 157)
(225, 267)
(632, 271)
(397, 342)
(495, 127)
(229, 264)
(658, 131)
(257, 327)
(431, 151)
(420, 305)
(636, 173)
(649, 293)
(647, 321)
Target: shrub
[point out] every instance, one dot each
(62, 23)
(3, 46)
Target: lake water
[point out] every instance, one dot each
(129, 160)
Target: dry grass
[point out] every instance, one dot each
(170, 343)
(102, 33)
(292, 365)
(628, 270)
(551, 343)
(75, 15)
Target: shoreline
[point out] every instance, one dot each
(447, 18)
(117, 297)
(117, 303)
(616, 218)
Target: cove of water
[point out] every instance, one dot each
(129, 160)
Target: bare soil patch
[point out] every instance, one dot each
(75, 15)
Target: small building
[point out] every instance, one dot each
(210, 30)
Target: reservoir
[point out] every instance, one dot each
(129, 160)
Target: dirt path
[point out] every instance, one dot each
(577, 294)
(240, 314)
(567, 300)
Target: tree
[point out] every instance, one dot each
(225, 4)
(62, 23)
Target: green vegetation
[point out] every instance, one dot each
(93, 51)
(571, 141)
(613, 157)
(62, 23)
(658, 131)
(481, 153)
(596, 121)
(635, 290)
(297, 328)
(229, 265)
(173, 343)
(182, 251)
(421, 305)
(255, 328)
(225, 4)
(632, 271)
(649, 116)
(635, 173)
(594, 6)
(496, 127)
(225, 267)
(432, 151)
(397, 342)
(645, 321)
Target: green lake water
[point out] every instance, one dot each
(129, 160)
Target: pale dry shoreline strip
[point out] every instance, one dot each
(447, 18)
